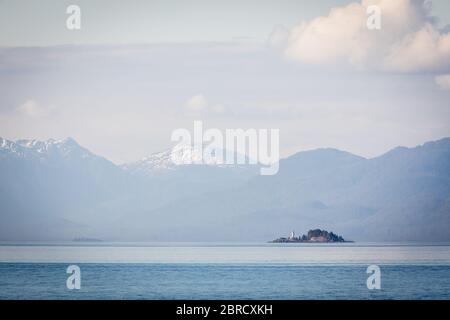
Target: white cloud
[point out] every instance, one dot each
(443, 81)
(406, 42)
(329, 39)
(278, 36)
(33, 109)
(426, 49)
(197, 103)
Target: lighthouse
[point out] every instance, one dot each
(292, 235)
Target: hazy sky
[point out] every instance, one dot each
(42, 22)
(137, 70)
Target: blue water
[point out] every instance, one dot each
(224, 271)
(221, 281)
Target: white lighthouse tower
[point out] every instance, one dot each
(292, 235)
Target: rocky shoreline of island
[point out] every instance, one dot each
(313, 236)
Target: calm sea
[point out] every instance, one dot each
(224, 271)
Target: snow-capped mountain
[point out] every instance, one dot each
(43, 149)
(69, 191)
(181, 155)
(50, 187)
(56, 189)
(153, 164)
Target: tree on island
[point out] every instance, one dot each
(315, 235)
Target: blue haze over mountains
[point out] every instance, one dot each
(58, 190)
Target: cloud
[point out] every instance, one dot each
(426, 49)
(33, 109)
(406, 42)
(443, 81)
(278, 36)
(197, 103)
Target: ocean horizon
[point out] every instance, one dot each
(224, 270)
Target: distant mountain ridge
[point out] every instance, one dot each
(171, 159)
(43, 149)
(58, 190)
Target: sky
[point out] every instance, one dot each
(138, 70)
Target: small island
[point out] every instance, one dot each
(313, 236)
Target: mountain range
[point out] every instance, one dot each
(58, 190)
